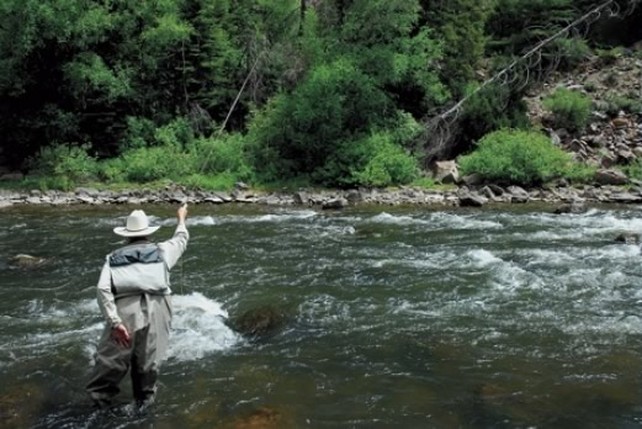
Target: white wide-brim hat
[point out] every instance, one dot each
(137, 226)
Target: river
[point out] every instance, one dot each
(396, 317)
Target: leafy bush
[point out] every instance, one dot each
(304, 130)
(177, 133)
(374, 160)
(572, 52)
(112, 170)
(517, 157)
(69, 164)
(226, 154)
(634, 170)
(610, 56)
(142, 132)
(570, 109)
(616, 103)
(491, 108)
(139, 133)
(154, 163)
(579, 173)
(389, 164)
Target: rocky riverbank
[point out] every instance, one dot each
(464, 196)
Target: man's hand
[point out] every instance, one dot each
(181, 213)
(120, 336)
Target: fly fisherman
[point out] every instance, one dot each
(134, 297)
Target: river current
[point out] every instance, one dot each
(396, 317)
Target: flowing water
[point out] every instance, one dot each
(397, 317)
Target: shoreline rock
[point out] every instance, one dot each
(464, 196)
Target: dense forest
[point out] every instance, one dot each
(313, 92)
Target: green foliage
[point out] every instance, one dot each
(227, 154)
(621, 103)
(634, 170)
(490, 109)
(516, 157)
(154, 163)
(571, 109)
(572, 52)
(301, 131)
(69, 164)
(579, 173)
(219, 182)
(385, 162)
(460, 25)
(139, 133)
(609, 56)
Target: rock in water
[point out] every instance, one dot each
(22, 260)
(628, 238)
(259, 322)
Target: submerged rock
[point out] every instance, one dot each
(574, 208)
(259, 322)
(262, 418)
(628, 238)
(22, 260)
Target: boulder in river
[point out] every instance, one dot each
(628, 238)
(259, 322)
(22, 260)
(262, 418)
(573, 208)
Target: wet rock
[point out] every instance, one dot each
(628, 238)
(262, 418)
(19, 405)
(5, 204)
(571, 208)
(470, 199)
(335, 203)
(259, 322)
(22, 260)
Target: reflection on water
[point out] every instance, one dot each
(396, 318)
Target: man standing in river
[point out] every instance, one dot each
(134, 297)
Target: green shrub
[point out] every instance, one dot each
(609, 56)
(375, 160)
(516, 157)
(139, 133)
(154, 163)
(112, 170)
(177, 133)
(491, 108)
(68, 164)
(142, 132)
(303, 131)
(616, 103)
(225, 154)
(572, 52)
(579, 173)
(570, 109)
(634, 170)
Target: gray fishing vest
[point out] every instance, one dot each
(137, 269)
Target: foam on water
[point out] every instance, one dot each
(198, 328)
(436, 220)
